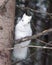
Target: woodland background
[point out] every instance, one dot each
(41, 49)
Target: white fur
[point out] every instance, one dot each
(22, 29)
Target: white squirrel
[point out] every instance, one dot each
(22, 29)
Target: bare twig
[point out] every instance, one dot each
(33, 37)
(31, 46)
(49, 43)
(43, 47)
(37, 11)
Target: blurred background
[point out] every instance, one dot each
(41, 12)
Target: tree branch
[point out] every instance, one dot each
(37, 11)
(33, 37)
(30, 38)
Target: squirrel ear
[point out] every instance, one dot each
(24, 15)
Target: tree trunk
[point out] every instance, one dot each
(6, 27)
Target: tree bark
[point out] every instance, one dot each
(6, 28)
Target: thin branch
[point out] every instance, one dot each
(33, 37)
(42, 47)
(49, 43)
(30, 46)
(37, 11)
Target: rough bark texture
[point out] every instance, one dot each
(6, 28)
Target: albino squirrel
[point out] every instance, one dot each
(22, 29)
